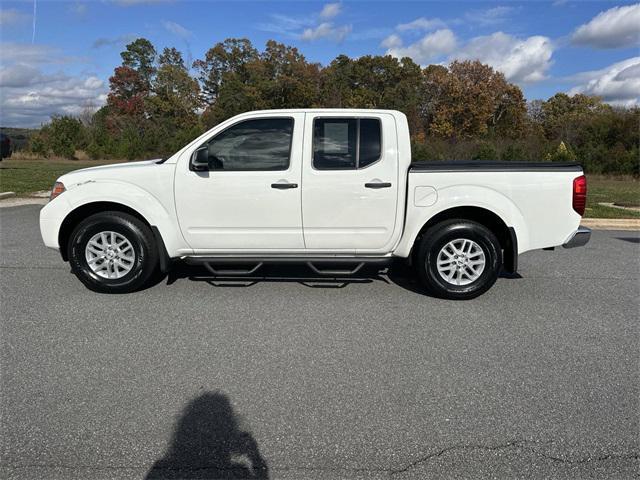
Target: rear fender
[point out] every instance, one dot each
(463, 196)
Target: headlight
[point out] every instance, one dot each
(57, 189)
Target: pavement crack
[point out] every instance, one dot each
(631, 456)
(519, 444)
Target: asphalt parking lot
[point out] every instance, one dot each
(290, 376)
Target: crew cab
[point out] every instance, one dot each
(332, 188)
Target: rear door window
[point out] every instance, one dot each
(346, 143)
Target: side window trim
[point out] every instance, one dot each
(358, 143)
(357, 162)
(242, 120)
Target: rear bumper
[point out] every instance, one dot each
(579, 238)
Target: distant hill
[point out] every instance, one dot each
(19, 136)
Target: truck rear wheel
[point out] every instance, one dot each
(459, 259)
(112, 252)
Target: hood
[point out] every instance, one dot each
(115, 171)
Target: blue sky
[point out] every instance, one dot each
(544, 47)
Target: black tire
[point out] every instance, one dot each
(439, 235)
(135, 231)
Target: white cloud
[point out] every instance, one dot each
(330, 10)
(326, 30)
(42, 96)
(30, 94)
(11, 16)
(285, 25)
(521, 60)
(391, 42)
(176, 29)
(618, 84)
(422, 23)
(29, 53)
(19, 75)
(311, 27)
(491, 16)
(613, 28)
(433, 45)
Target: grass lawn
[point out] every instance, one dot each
(27, 176)
(622, 191)
(24, 176)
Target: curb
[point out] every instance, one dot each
(19, 201)
(631, 224)
(4, 195)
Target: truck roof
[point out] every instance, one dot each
(328, 110)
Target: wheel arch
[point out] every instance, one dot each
(81, 212)
(506, 235)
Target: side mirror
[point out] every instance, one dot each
(200, 159)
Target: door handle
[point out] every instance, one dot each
(377, 185)
(284, 186)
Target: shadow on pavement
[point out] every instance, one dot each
(629, 239)
(209, 442)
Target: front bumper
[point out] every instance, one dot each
(51, 218)
(579, 238)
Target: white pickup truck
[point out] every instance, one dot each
(334, 189)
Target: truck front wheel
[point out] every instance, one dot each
(112, 252)
(459, 259)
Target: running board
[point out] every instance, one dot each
(253, 264)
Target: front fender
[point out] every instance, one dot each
(132, 196)
(463, 196)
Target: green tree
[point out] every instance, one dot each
(290, 81)
(562, 153)
(228, 57)
(470, 99)
(171, 56)
(372, 82)
(563, 116)
(140, 55)
(174, 105)
(127, 92)
(65, 136)
(463, 111)
(39, 141)
(176, 93)
(486, 151)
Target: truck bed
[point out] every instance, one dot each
(533, 198)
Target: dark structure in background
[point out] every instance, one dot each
(5, 146)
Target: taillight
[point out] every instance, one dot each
(57, 189)
(580, 194)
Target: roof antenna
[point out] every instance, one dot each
(33, 35)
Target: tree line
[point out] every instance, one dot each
(466, 110)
